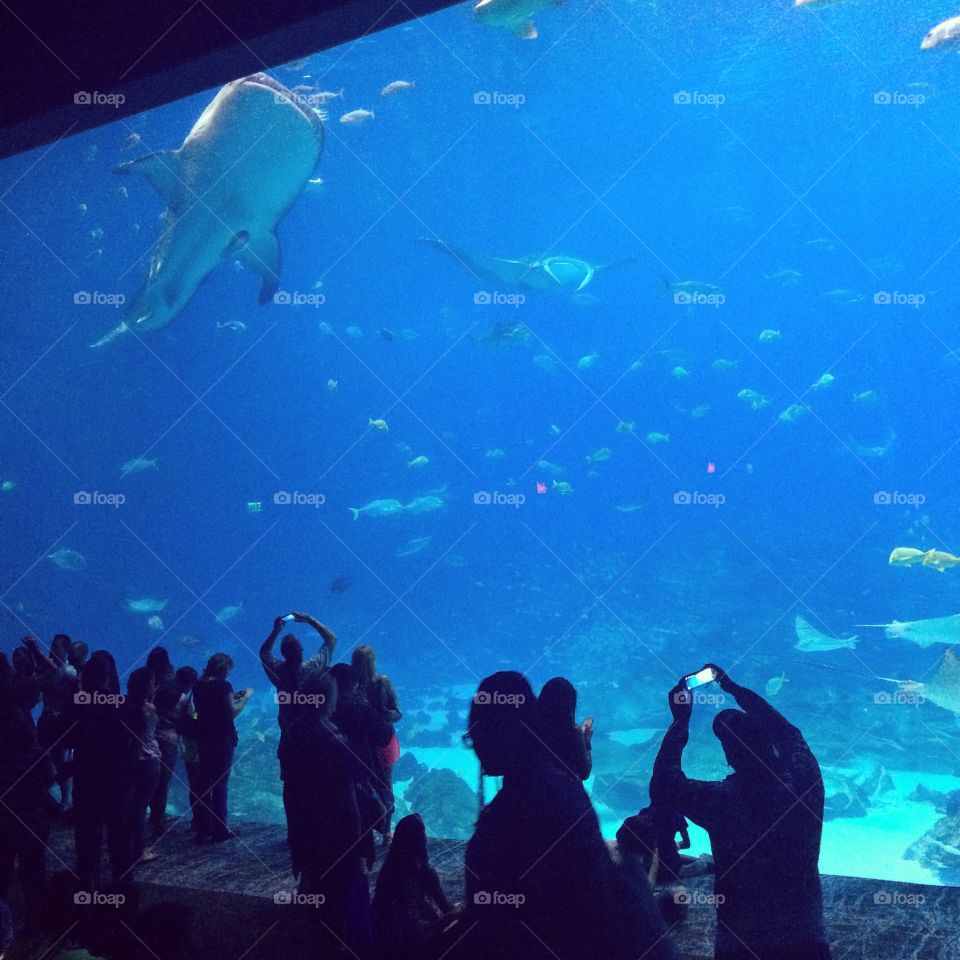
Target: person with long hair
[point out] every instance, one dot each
(166, 699)
(566, 741)
(217, 707)
(381, 696)
(410, 909)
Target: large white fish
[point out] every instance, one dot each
(240, 169)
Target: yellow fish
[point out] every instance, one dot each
(906, 557)
(939, 560)
(380, 424)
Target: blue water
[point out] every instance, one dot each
(798, 169)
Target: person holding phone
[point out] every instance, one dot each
(287, 674)
(567, 743)
(764, 820)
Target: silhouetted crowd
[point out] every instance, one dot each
(540, 881)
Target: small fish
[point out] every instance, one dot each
(424, 504)
(691, 287)
(785, 277)
(7, 486)
(341, 585)
(700, 411)
(495, 454)
(356, 117)
(66, 559)
(155, 623)
(397, 87)
(131, 141)
(325, 328)
(588, 361)
(138, 464)
(146, 605)
(793, 413)
(654, 437)
(512, 15)
(821, 243)
(420, 461)
(325, 96)
(943, 34)
(769, 336)
(413, 546)
(546, 363)
(228, 613)
(188, 640)
(234, 326)
(843, 296)
(598, 456)
(354, 333)
(629, 507)
(315, 186)
(377, 508)
(379, 424)
(386, 334)
(775, 684)
(824, 381)
(722, 366)
(754, 400)
(626, 426)
(332, 385)
(865, 398)
(550, 467)
(82, 209)
(562, 487)
(553, 430)
(680, 373)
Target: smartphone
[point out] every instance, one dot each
(287, 618)
(698, 679)
(587, 723)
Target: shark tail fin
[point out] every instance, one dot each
(355, 512)
(116, 332)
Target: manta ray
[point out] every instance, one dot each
(561, 274)
(239, 170)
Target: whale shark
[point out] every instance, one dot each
(558, 273)
(239, 170)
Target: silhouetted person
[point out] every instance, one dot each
(320, 772)
(185, 724)
(101, 771)
(540, 881)
(26, 776)
(166, 699)
(139, 716)
(410, 909)
(287, 674)
(217, 708)
(6, 929)
(367, 732)
(566, 741)
(382, 697)
(764, 822)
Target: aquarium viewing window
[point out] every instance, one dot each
(604, 340)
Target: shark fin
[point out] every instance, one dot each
(527, 31)
(262, 255)
(118, 331)
(162, 169)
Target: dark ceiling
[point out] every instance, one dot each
(128, 57)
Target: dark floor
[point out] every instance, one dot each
(232, 887)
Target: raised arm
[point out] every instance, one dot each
(329, 637)
(388, 701)
(267, 658)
